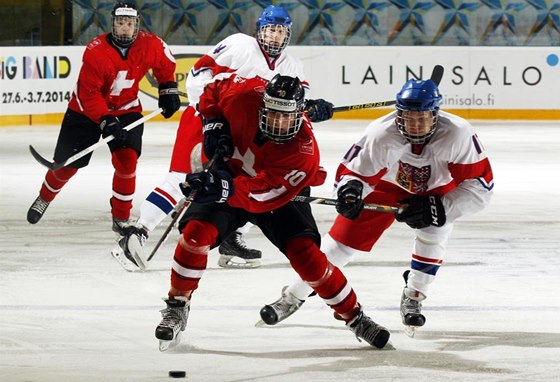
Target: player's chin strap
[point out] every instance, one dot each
(180, 209)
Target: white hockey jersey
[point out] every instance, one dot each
(452, 164)
(242, 54)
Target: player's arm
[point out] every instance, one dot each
(164, 70)
(475, 182)
(90, 87)
(205, 68)
(273, 187)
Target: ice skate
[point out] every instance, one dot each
(366, 329)
(173, 323)
(280, 309)
(411, 307)
(36, 211)
(234, 253)
(119, 227)
(133, 244)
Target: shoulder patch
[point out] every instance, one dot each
(306, 147)
(94, 43)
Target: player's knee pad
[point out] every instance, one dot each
(337, 253)
(125, 161)
(198, 236)
(306, 258)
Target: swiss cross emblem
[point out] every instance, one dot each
(413, 179)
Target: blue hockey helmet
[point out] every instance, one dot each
(417, 110)
(274, 29)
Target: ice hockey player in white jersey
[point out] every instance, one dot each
(429, 163)
(263, 56)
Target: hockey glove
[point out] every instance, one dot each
(112, 126)
(422, 211)
(319, 110)
(169, 98)
(217, 138)
(349, 202)
(208, 186)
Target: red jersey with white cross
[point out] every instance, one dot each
(267, 174)
(109, 77)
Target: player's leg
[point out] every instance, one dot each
(201, 228)
(345, 239)
(427, 257)
(76, 134)
(293, 230)
(187, 157)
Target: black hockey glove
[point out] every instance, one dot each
(210, 186)
(169, 98)
(319, 110)
(217, 138)
(111, 125)
(349, 202)
(422, 211)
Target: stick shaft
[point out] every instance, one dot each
(75, 157)
(332, 202)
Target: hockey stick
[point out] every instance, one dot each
(55, 166)
(437, 74)
(332, 202)
(178, 212)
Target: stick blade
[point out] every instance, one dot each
(48, 164)
(437, 74)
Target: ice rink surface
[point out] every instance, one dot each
(69, 312)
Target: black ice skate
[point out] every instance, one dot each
(234, 253)
(411, 307)
(36, 211)
(280, 309)
(173, 323)
(366, 329)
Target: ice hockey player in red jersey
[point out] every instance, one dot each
(429, 162)
(271, 156)
(104, 101)
(248, 56)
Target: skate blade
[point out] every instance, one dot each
(261, 324)
(167, 345)
(410, 330)
(119, 256)
(232, 262)
(136, 251)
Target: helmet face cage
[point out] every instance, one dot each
(420, 97)
(282, 114)
(274, 30)
(123, 14)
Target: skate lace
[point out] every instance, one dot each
(239, 241)
(410, 306)
(173, 317)
(366, 329)
(40, 205)
(286, 305)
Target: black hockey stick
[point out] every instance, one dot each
(370, 105)
(179, 210)
(55, 166)
(437, 74)
(332, 202)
